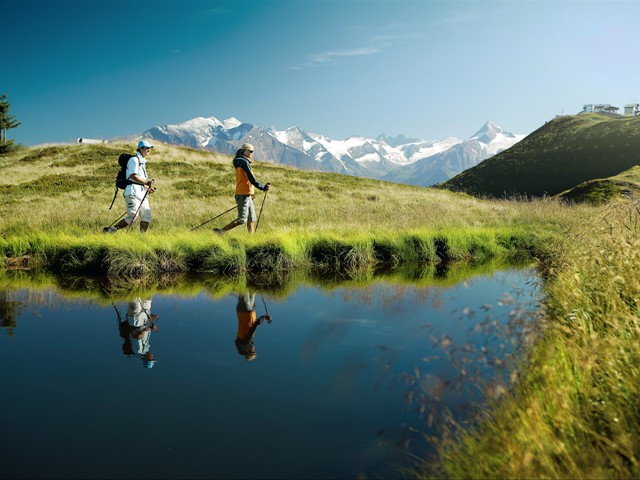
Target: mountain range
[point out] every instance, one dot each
(397, 159)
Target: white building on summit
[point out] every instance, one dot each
(630, 109)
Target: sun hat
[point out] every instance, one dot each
(247, 146)
(144, 144)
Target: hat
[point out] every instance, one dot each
(144, 144)
(247, 146)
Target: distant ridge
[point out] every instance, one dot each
(563, 153)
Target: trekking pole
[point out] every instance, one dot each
(114, 222)
(265, 308)
(260, 214)
(117, 313)
(195, 228)
(137, 210)
(114, 198)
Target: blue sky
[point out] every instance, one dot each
(422, 68)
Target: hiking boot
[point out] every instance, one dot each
(109, 230)
(219, 231)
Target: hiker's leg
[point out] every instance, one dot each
(121, 224)
(114, 228)
(229, 226)
(251, 216)
(243, 202)
(132, 207)
(145, 215)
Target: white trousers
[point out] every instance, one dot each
(144, 211)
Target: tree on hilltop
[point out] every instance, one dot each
(7, 121)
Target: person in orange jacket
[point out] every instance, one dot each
(245, 187)
(247, 324)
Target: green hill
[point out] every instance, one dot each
(565, 152)
(604, 190)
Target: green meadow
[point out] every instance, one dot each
(571, 410)
(55, 201)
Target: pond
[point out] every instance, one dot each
(344, 382)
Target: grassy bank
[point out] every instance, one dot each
(144, 257)
(574, 411)
(54, 202)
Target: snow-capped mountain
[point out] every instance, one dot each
(399, 159)
(441, 166)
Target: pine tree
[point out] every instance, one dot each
(7, 120)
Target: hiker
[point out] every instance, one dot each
(136, 195)
(245, 183)
(247, 324)
(140, 324)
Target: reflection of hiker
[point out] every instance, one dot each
(136, 330)
(247, 324)
(136, 195)
(245, 183)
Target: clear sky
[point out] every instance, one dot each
(423, 68)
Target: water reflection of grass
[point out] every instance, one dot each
(278, 284)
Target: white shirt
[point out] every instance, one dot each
(137, 165)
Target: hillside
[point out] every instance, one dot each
(560, 155)
(68, 188)
(603, 190)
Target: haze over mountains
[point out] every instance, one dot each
(398, 159)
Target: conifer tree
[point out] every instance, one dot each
(7, 120)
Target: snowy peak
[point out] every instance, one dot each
(231, 122)
(489, 132)
(408, 160)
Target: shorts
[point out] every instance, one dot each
(144, 214)
(246, 210)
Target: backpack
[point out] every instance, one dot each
(121, 177)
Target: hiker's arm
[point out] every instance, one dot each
(247, 169)
(132, 167)
(141, 180)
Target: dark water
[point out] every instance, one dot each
(339, 384)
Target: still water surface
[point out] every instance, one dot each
(338, 384)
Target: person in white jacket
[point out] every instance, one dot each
(136, 195)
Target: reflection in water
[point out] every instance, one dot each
(8, 313)
(135, 330)
(248, 324)
(352, 377)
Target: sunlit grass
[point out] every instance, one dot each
(573, 413)
(50, 212)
